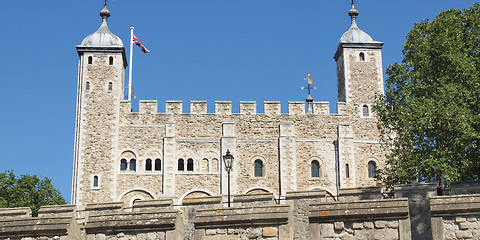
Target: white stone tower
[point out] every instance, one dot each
(101, 70)
(359, 78)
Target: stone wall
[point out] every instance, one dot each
(302, 215)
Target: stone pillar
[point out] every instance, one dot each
(287, 159)
(346, 153)
(419, 207)
(170, 163)
(229, 142)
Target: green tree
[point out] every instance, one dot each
(27, 191)
(430, 111)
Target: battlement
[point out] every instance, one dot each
(225, 107)
(312, 214)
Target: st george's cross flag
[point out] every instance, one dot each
(138, 43)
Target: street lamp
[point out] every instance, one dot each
(228, 160)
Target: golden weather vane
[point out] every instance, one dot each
(309, 83)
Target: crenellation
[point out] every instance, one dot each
(223, 107)
(272, 107)
(198, 107)
(173, 107)
(296, 108)
(148, 106)
(321, 108)
(248, 107)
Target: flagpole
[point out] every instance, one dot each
(130, 67)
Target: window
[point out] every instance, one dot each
(181, 166)
(123, 164)
(110, 86)
(372, 167)
(110, 60)
(361, 56)
(95, 181)
(133, 165)
(158, 164)
(190, 164)
(90, 60)
(215, 165)
(315, 169)
(365, 112)
(87, 86)
(148, 165)
(347, 170)
(258, 168)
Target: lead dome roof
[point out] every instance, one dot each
(354, 34)
(102, 37)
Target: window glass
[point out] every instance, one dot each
(87, 86)
(258, 168)
(123, 165)
(315, 169)
(95, 181)
(158, 164)
(365, 111)
(361, 56)
(190, 164)
(110, 86)
(110, 61)
(347, 170)
(371, 169)
(148, 165)
(133, 165)
(181, 166)
(90, 60)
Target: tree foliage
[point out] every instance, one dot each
(430, 111)
(27, 191)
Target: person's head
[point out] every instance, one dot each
(438, 173)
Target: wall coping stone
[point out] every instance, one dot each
(457, 205)
(366, 209)
(202, 200)
(253, 197)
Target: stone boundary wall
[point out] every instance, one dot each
(225, 107)
(302, 215)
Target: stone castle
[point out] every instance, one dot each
(126, 156)
(303, 175)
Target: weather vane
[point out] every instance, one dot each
(309, 83)
(310, 87)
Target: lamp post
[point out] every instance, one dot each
(228, 160)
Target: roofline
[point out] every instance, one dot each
(370, 45)
(81, 49)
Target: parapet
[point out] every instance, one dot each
(358, 194)
(459, 188)
(225, 107)
(9, 213)
(253, 199)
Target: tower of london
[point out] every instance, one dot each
(125, 156)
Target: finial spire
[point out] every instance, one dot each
(309, 87)
(353, 13)
(105, 13)
(106, 3)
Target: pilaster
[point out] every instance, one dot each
(229, 142)
(170, 163)
(287, 158)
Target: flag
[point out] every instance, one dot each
(138, 43)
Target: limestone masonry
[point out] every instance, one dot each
(298, 175)
(126, 156)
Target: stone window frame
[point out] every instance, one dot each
(202, 165)
(365, 56)
(375, 161)
(361, 110)
(99, 178)
(321, 166)
(264, 169)
(129, 154)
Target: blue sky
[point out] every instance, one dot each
(249, 50)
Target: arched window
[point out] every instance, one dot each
(190, 164)
(365, 111)
(90, 60)
(110, 86)
(123, 164)
(158, 164)
(258, 168)
(361, 56)
(87, 86)
(315, 169)
(181, 165)
(372, 167)
(148, 165)
(133, 165)
(347, 170)
(95, 181)
(215, 165)
(110, 60)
